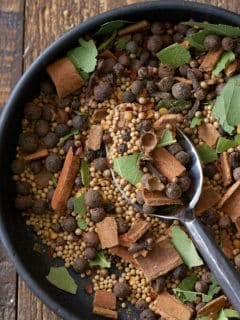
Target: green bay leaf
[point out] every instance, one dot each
(195, 121)
(60, 278)
(100, 261)
(103, 46)
(166, 139)
(219, 29)
(79, 205)
(206, 153)
(196, 39)
(126, 167)
(82, 224)
(174, 55)
(224, 61)
(185, 247)
(224, 144)
(67, 136)
(85, 173)
(110, 27)
(226, 108)
(84, 57)
(225, 314)
(121, 43)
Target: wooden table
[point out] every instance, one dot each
(27, 27)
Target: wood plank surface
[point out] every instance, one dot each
(45, 21)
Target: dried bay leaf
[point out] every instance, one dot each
(226, 108)
(206, 153)
(84, 57)
(126, 167)
(67, 136)
(195, 121)
(185, 247)
(174, 55)
(224, 144)
(121, 43)
(82, 224)
(226, 58)
(60, 278)
(100, 261)
(166, 139)
(196, 39)
(85, 173)
(225, 314)
(110, 27)
(79, 205)
(219, 29)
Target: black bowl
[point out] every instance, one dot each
(16, 238)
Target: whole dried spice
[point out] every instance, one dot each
(148, 142)
(151, 183)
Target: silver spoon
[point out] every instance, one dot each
(227, 276)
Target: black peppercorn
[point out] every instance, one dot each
(91, 239)
(128, 96)
(158, 284)
(132, 46)
(154, 43)
(184, 183)
(183, 157)
(201, 286)
(50, 140)
(173, 190)
(97, 214)
(137, 87)
(210, 217)
(53, 163)
(69, 224)
(90, 253)
(28, 142)
(102, 91)
(174, 148)
(121, 290)
(41, 127)
(209, 170)
(18, 166)
(147, 314)
(80, 265)
(80, 122)
(23, 187)
(180, 272)
(100, 164)
(141, 305)
(93, 198)
(165, 84)
(122, 227)
(157, 27)
(228, 44)
(212, 42)
(32, 111)
(182, 91)
(122, 148)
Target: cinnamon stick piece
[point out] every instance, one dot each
(231, 69)
(136, 27)
(136, 231)
(162, 259)
(210, 60)
(104, 299)
(40, 153)
(107, 232)
(212, 308)
(226, 169)
(208, 199)
(167, 164)
(169, 307)
(65, 183)
(157, 198)
(94, 138)
(105, 312)
(124, 254)
(65, 77)
(208, 133)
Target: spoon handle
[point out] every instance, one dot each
(227, 276)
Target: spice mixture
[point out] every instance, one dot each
(103, 130)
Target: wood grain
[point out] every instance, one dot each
(45, 21)
(11, 40)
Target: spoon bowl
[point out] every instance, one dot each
(227, 277)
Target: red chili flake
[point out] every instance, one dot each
(79, 151)
(88, 288)
(128, 109)
(118, 53)
(133, 74)
(145, 42)
(50, 252)
(153, 295)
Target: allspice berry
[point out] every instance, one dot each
(69, 224)
(97, 214)
(121, 290)
(93, 198)
(212, 42)
(173, 190)
(100, 164)
(80, 265)
(91, 239)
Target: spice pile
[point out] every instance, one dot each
(120, 97)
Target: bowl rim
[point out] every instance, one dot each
(39, 64)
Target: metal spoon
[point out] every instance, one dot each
(227, 276)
